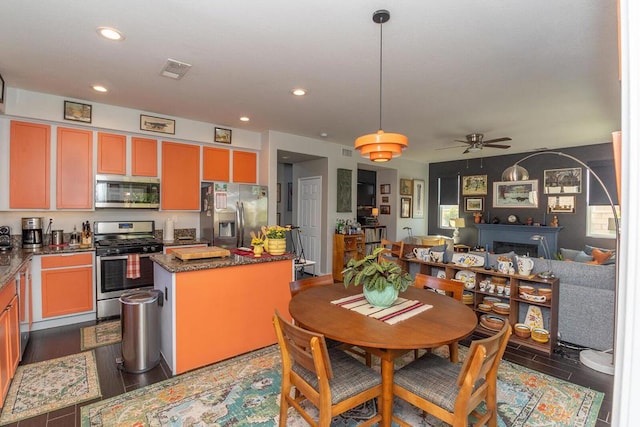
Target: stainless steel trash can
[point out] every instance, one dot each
(140, 320)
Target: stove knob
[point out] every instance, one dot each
(145, 249)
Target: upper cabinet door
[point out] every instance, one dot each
(244, 167)
(30, 155)
(215, 164)
(180, 185)
(144, 157)
(74, 172)
(112, 153)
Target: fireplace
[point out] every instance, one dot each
(517, 238)
(519, 248)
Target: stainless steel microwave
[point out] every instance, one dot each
(127, 192)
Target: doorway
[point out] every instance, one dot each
(310, 218)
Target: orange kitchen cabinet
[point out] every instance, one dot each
(244, 167)
(29, 170)
(180, 184)
(215, 164)
(144, 157)
(74, 174)
(67, 291)
(112, 153)
(9, 336)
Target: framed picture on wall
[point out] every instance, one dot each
(418, 198)
(77, 111)
(515, 194)
(385, 210)
(385, 188)
(405, 187)
(405, 207)
(561, 204)
(473, 185)
(385, 199)
(567, 181)
(474, 204)
(344, 191)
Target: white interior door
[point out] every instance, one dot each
(309, 216)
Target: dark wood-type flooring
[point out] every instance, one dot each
(62, 341)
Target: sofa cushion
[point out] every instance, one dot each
(569, 254)
(611, 260)
(583, 257)
(600, 257)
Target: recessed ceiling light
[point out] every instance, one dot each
(299, 92)
(244, 119)
(324, 134)
(99, 88)
(110, 33)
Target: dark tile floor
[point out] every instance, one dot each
(62, 341)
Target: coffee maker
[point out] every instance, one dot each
(32, 232)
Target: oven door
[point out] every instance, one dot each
(111, 275)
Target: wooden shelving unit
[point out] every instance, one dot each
(518, 305)
(373, 235)
(345, 247)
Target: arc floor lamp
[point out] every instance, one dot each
(600, 361)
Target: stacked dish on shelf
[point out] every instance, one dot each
(493, 323)
(501, 308)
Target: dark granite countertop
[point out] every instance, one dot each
(175, 265)
(12, 261)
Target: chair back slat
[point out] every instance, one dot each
(492, 348)
(453, 288)
(303, 284)
(296, 344)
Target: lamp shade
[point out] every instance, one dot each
(457, 223)
(381, 146)
(515, 173)
(374, 212)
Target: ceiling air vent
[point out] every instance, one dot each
(347, 153)
(175, 69)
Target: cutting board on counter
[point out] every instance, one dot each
(186, 254)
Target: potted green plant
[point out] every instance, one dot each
(381, 281)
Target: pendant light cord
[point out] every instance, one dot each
(381, 24)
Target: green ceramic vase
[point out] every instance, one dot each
(382, 298)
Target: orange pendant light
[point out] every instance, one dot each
(381, 146)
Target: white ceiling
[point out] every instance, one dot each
(543, 72)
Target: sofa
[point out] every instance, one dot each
(586, 314)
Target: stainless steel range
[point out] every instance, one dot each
(115, 241)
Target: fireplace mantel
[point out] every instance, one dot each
(488, 233)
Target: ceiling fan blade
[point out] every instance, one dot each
(506, 138)
(496, 145)
(466, 142)
(466, 151)
(453, 146)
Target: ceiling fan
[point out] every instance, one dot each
(475, 142)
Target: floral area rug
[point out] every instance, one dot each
(43, 387)
(244, 391)
(100, 334)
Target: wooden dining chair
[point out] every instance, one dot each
(330, 379)
(301, 285)
(452, 288)
(392, 252)
(450, 392)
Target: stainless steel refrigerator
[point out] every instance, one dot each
(229, 212)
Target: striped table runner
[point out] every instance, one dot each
(400, 310)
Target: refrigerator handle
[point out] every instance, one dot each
(242, 222)
(238, 225)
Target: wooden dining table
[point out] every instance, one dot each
(447, 321)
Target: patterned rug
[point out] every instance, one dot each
(244, 391)
(43, 387)
(100, 334)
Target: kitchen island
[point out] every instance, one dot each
(218, 308)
